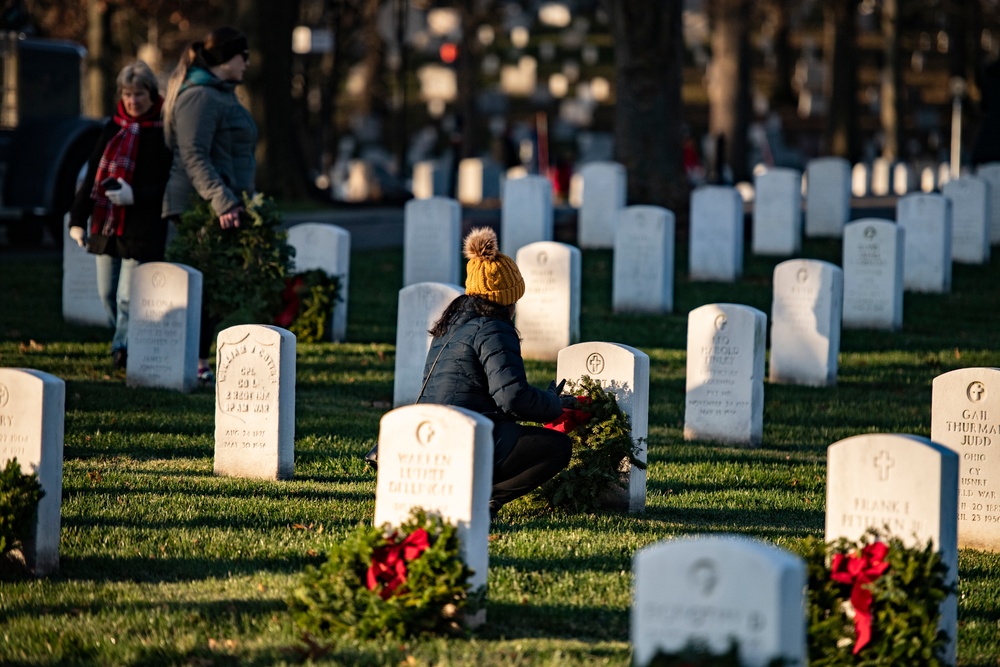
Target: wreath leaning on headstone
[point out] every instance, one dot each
(875, 602)
(19, 496)
(243, 269)
(602, 450)
(388, 582)
(309, 298)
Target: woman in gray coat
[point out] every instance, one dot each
(213, 138)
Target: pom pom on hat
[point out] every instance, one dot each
(490, 273)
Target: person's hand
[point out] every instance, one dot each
(555, 388)
(122, 196)
(231, 218)
(567, 401)
(79, 235)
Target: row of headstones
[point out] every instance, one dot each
(959, 221)
(880, 258)
(599, 191)
(724, 392)
(163, 298)
(712, 589)
(883, 177)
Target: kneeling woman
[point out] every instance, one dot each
(475, 362)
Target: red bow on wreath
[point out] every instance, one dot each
(856, 571)
(389, 562)
(570, 417)
(290, 297)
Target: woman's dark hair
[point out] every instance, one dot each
(482, 307)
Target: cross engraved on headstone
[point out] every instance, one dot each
(595, 363)
(803, 275)
(720, 322)
(870, 233)
(543, 257)
(883, 462)
(159, 280)
(704, 576)
(976, 391)
(425, 433)
(4, 395)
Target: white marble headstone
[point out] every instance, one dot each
(327, 247)
(32, 412)
(714, 589)
(990, 172)
(860, 180)
(431, 179)
(432, 241)
(881, 176)
(420, 306)
(903, 179)
(724, 399)
(643, 273)
(439, 458)
(255, 402)
(828, 197)
(80, 302)
(970, 219)
(805, 322)
(873, 274)
(548, 315)
(965, 417)
(624, 372)
(926, 220)
(164, 326)
(777, 212)
(716, 238)
(604, 187)
(526, 215)
(478, 181)
(905, 482)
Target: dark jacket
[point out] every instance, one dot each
(481, 369)
(145, 232)
(213, 137)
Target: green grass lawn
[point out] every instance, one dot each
(164, 563)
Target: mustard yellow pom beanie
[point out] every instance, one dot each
(490, 273)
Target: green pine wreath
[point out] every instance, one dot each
(601, 448)
(335, 599)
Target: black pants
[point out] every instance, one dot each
(536, 457)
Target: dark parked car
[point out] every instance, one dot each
(44, 141)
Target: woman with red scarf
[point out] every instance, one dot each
(122, 194)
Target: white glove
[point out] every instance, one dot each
(122, 196)
(79, 235)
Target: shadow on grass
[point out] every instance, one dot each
(138, 569)
(530, 621)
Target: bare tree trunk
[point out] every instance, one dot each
(784, 62)
(99, 97)
(281, 167)
(648, 62)
(840, 81)
(375, 96)
(467, 75)
(729, 86)
(890, 89)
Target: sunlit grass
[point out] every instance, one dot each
(164, 563)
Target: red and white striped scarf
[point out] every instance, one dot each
(118, 161)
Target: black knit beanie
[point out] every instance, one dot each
(222, 44)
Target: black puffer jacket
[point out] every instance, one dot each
(481, 369)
